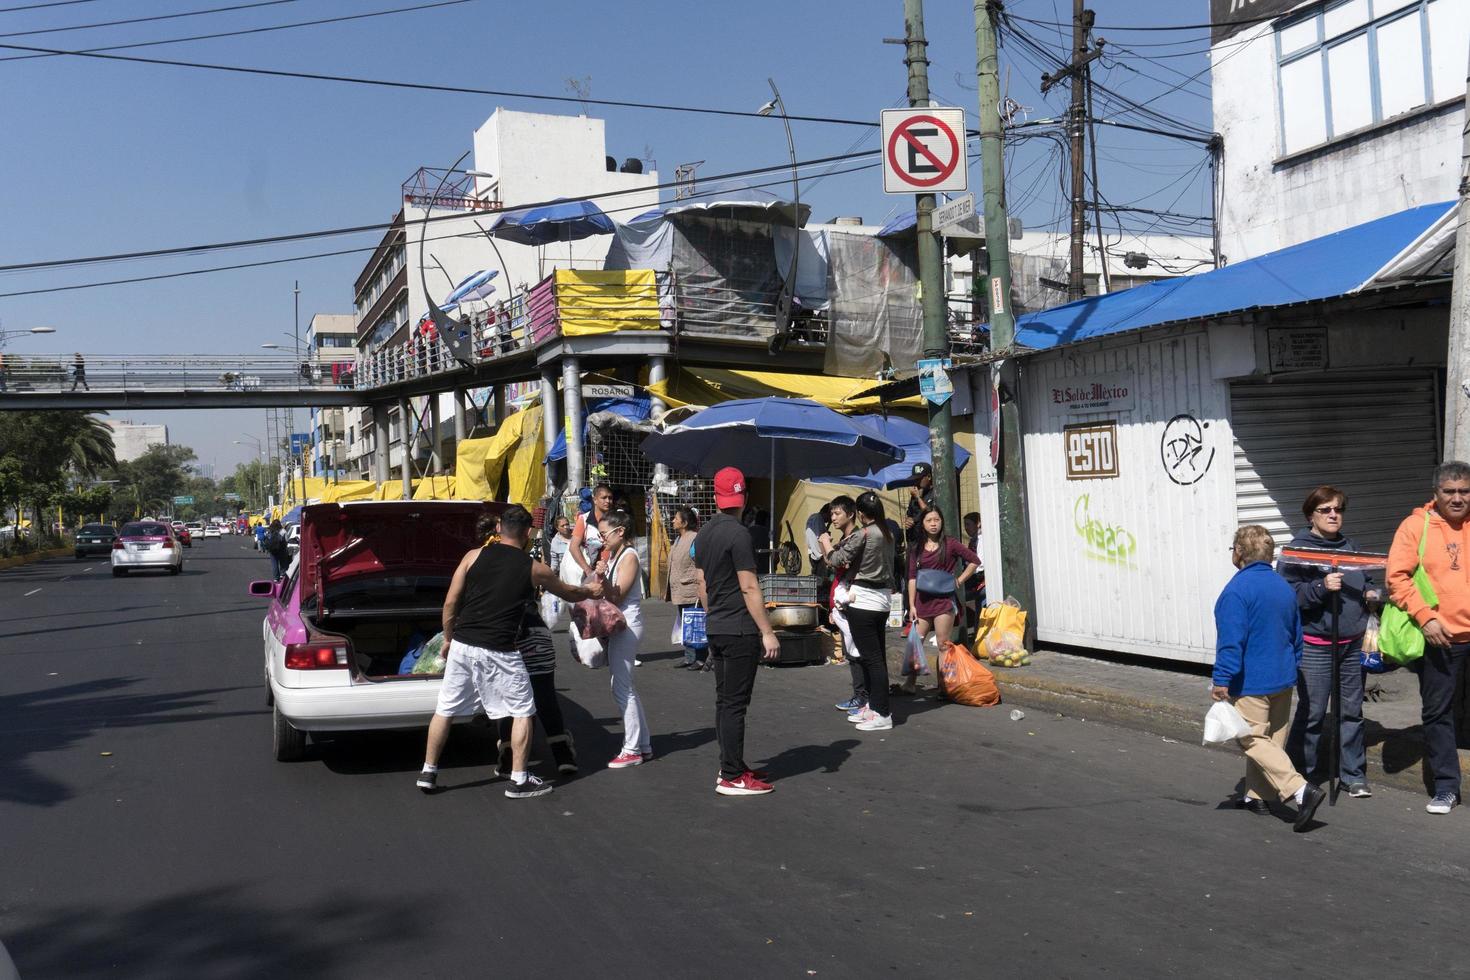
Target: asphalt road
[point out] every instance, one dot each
(146, 832)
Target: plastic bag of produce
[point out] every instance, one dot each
(965, 680)
(431, 659)
(1002, 631)
(915, 664)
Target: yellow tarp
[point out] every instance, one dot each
(591, 301)
(515, 450)
(433, 488)
(350, 490)
(712, 385)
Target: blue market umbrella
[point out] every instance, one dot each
(561, 221)
(912, 439)
(474, 286)
(770, 437)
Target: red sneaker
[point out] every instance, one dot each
(625, 760)
(746, 785)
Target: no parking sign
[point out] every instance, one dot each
(924, 151)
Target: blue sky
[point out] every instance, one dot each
(109, 157)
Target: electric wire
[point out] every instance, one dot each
(419, 86)
(97, 52)
(38, 6)
(144, 20)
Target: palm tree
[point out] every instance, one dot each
(88, 443)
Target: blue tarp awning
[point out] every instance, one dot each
(633, 409)
(1333, 265)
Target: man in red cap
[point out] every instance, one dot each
(736, 625)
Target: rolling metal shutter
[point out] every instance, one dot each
(1375, 438)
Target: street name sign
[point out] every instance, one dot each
(954, 212)
(924, 151)
(181, 501)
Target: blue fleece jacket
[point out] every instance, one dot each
(1258, 633)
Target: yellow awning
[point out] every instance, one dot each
(592, 301)
(709, 386)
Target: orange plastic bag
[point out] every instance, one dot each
(965, 680)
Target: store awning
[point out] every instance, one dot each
(1333, 265)
(710, 386)
(1430, 256)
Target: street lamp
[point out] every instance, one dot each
(788, 291)
(7, 334)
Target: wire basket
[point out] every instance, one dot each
(792, 589)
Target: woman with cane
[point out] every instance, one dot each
(1334, 611)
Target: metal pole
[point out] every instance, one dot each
(571, 385)
(550, 419)
(405, 445)
(459, 433)
(1015, 537)
(380, 442)
(931, 280)
(1105, 278)
(1457, 402)
(658, 370)
(436, 455)
(1076, 281)
(788, 292)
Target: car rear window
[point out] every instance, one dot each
(145, 531)
(97, 529)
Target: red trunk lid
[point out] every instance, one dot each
(341, 541)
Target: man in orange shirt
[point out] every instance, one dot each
(1446, 626)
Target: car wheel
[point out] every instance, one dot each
(79, 556)
(288, 744)
(119, 572)
(176, 569)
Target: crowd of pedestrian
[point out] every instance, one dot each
(1298, 626)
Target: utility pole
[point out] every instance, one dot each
(1457, 396)
(1082, 21)
(931, 279)
(1015, 536)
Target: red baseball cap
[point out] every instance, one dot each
(729, 488)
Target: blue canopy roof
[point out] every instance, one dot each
(1332, 265)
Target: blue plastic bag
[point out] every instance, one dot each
(693, 626)
(415, 648)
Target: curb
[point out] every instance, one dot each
(20, 560)
(1395, 759)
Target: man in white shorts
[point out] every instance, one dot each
(484, 616)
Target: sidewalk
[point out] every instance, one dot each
(1169, 700)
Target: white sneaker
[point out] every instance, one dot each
(876, 723)
(858, 717)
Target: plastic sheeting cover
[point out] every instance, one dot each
(875, 309)
(592, 301)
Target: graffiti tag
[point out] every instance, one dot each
(1182, 448)
(1109, 542)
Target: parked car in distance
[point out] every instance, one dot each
(147, 544)
(181, 531)
(95, 539)
(370, 580)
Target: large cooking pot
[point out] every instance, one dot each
(792, 617)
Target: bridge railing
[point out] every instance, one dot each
(179, 372)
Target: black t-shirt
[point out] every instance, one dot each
(493, 608)
(721, 549)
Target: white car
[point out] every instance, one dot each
(146, 545)
(371, 577)
(293, 539)
(212, 531)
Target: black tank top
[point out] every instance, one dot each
(492, 610)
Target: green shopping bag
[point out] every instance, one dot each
(1399, 638)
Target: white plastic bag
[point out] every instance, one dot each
(1223, 723)
(589, 652)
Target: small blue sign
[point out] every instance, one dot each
(934, 382)
(300, 442)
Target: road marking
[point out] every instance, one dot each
(30, 593)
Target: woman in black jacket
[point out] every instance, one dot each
(1317, 589)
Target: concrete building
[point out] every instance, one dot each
(1333, 114)
(331, 345)
(519, 159)
(131, 439)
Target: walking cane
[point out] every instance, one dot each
(1335, 756)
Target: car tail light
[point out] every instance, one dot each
(315, 656)
(117, 544)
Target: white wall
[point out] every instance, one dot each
(1267, 202)
(1131, 563)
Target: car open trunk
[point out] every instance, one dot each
(376, 573)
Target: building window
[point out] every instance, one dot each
(1355, 63)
